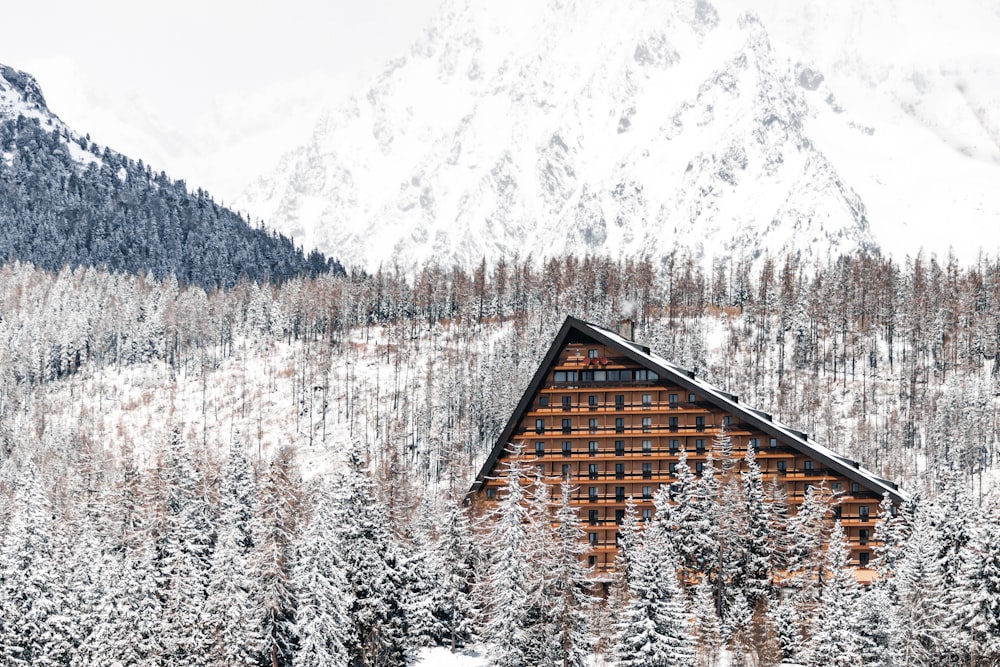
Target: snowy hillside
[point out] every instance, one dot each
(634, 127)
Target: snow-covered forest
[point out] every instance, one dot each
(274, 474)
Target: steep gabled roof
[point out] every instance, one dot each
(686, 379)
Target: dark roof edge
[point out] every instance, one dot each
(686, 379)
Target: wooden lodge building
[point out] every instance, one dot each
(612, 417)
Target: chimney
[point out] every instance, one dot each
(626, 329)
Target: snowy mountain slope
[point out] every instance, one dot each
(593, 126)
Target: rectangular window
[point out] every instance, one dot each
(592, 517)
(647, 446)
(807, 464)
(619, 517)
(673, 425)
(619, 424)
(647, 493)
(543, 401)
(863, 512)
(613, 376)
(491, 494)
(567, 448)
(835, 487)
(567, 426)
(619, 471)
(754, 444)
(592, 538)
(567, 402)
(626, 375)
(699, 423)
(592, 447)
(619, 401)
(619, 448)
(863, 536)
(559, 376)
(647, 401)
(782, 466)
(600, 376)
(699, 445)
(592, 471)
(647, 424)
(674, 400)
(592, 353)
(863, 559)
(592, 401)
(620, 494)
(727, 420)
(774, 443)
(539, 426)
(592, 424)
(641, 375)
(647, 471)
(566, 472)
(647, 514)
(675, 446)
(586, 376)
(539, 448)
(591, 561)
(673, 468)
(699, 467)
(592, 494)
(692, 398)
(855, 487)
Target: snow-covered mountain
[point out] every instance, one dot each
(634, 127)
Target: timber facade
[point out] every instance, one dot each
(613, 418)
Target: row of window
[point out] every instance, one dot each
(594, 448)
(625, 375)
(594, 424)
(593, 402)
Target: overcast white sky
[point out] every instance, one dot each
(169, 53)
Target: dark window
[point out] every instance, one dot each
(619, 517)
(863, 512)
(855, 487)
(592, 471)
(620, 494)
(592, 537)
(641, 375)
(619, 401)
(863, 536)
(835, 487)
(592, 494)
(592, 401)
(586, 376)
(491, 493)
(863, 559)
(647, 424)
(774, 443)
(674, 400)
(754, 444)
(592, 517)
(807, 464)
(567, 448)
(592, 447)
(727, 420)
(673, 468)
(539, 448)
(675, 446)
(692, 398)
(619, 448)
(539, 426)
(782, 466)
(591, 561)
(592, 354)
(836, 512)
(673, 423)
(699, 445)
(652, 376)
(543, 401)
(647, 493)
(592, 424)
(647, 401)
(647, 471)
(566, 470)
(647, 446)
(626, 375)
(619, 424)
(567, 426)
(699, 423)
(619, 471)
(567, 402)
(699, 467)
(647, 514)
